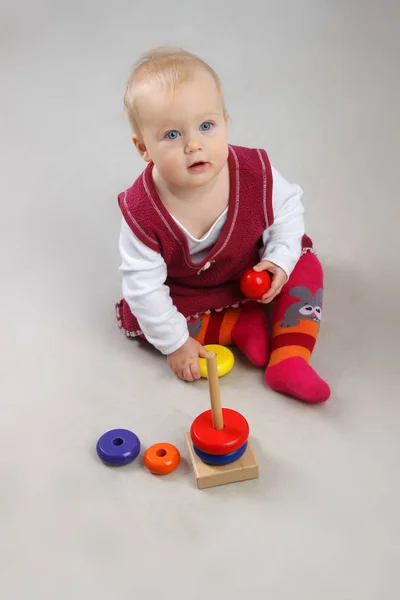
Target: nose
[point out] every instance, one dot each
(193, 144)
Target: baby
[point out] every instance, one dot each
(201, 213)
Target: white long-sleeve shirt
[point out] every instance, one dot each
(144, 270)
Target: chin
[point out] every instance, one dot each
(203, 178)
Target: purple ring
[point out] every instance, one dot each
(118, 447)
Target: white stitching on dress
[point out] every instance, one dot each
(236, 205)
(308, 249)
(264, 187)
(119, 320)
(165, 222)
(136, 223)
(233, 220)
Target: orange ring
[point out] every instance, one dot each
(162, 458)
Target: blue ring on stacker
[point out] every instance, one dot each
(118, 447)
(220, 459)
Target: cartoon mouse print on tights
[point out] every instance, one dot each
(308, 307)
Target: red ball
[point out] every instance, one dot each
(254, 285)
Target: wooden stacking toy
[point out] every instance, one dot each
(218, 441)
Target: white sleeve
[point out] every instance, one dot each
(144, 273)
(282, 240)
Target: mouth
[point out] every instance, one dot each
(199, 166)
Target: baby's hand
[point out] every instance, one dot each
(278, 281)
(184, 362)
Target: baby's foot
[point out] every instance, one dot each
(250, 334)
(295, 377)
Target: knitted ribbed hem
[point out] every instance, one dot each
(139, 332)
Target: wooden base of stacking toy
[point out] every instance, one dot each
(218, 444)
(208, 476)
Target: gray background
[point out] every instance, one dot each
(317, 84)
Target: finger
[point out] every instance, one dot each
(187, 374)
(178, 370)
(275, 288)
(270, 295)
(202, 351)
(179, 373)
(264, 265)
(267, 300)
(195, 369)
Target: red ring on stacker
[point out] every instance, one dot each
(232, 437)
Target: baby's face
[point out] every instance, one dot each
(185, 133)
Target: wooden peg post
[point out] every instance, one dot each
(243, 468)
(215, 395)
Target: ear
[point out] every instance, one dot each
(302, 293)
(141, 148)
(319, 297)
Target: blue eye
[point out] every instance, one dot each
(206, 126)
(172, 135)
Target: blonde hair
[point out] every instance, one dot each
(170, 67)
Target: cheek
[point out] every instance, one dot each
(169, 162)
(167, 154)
(220, 147)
